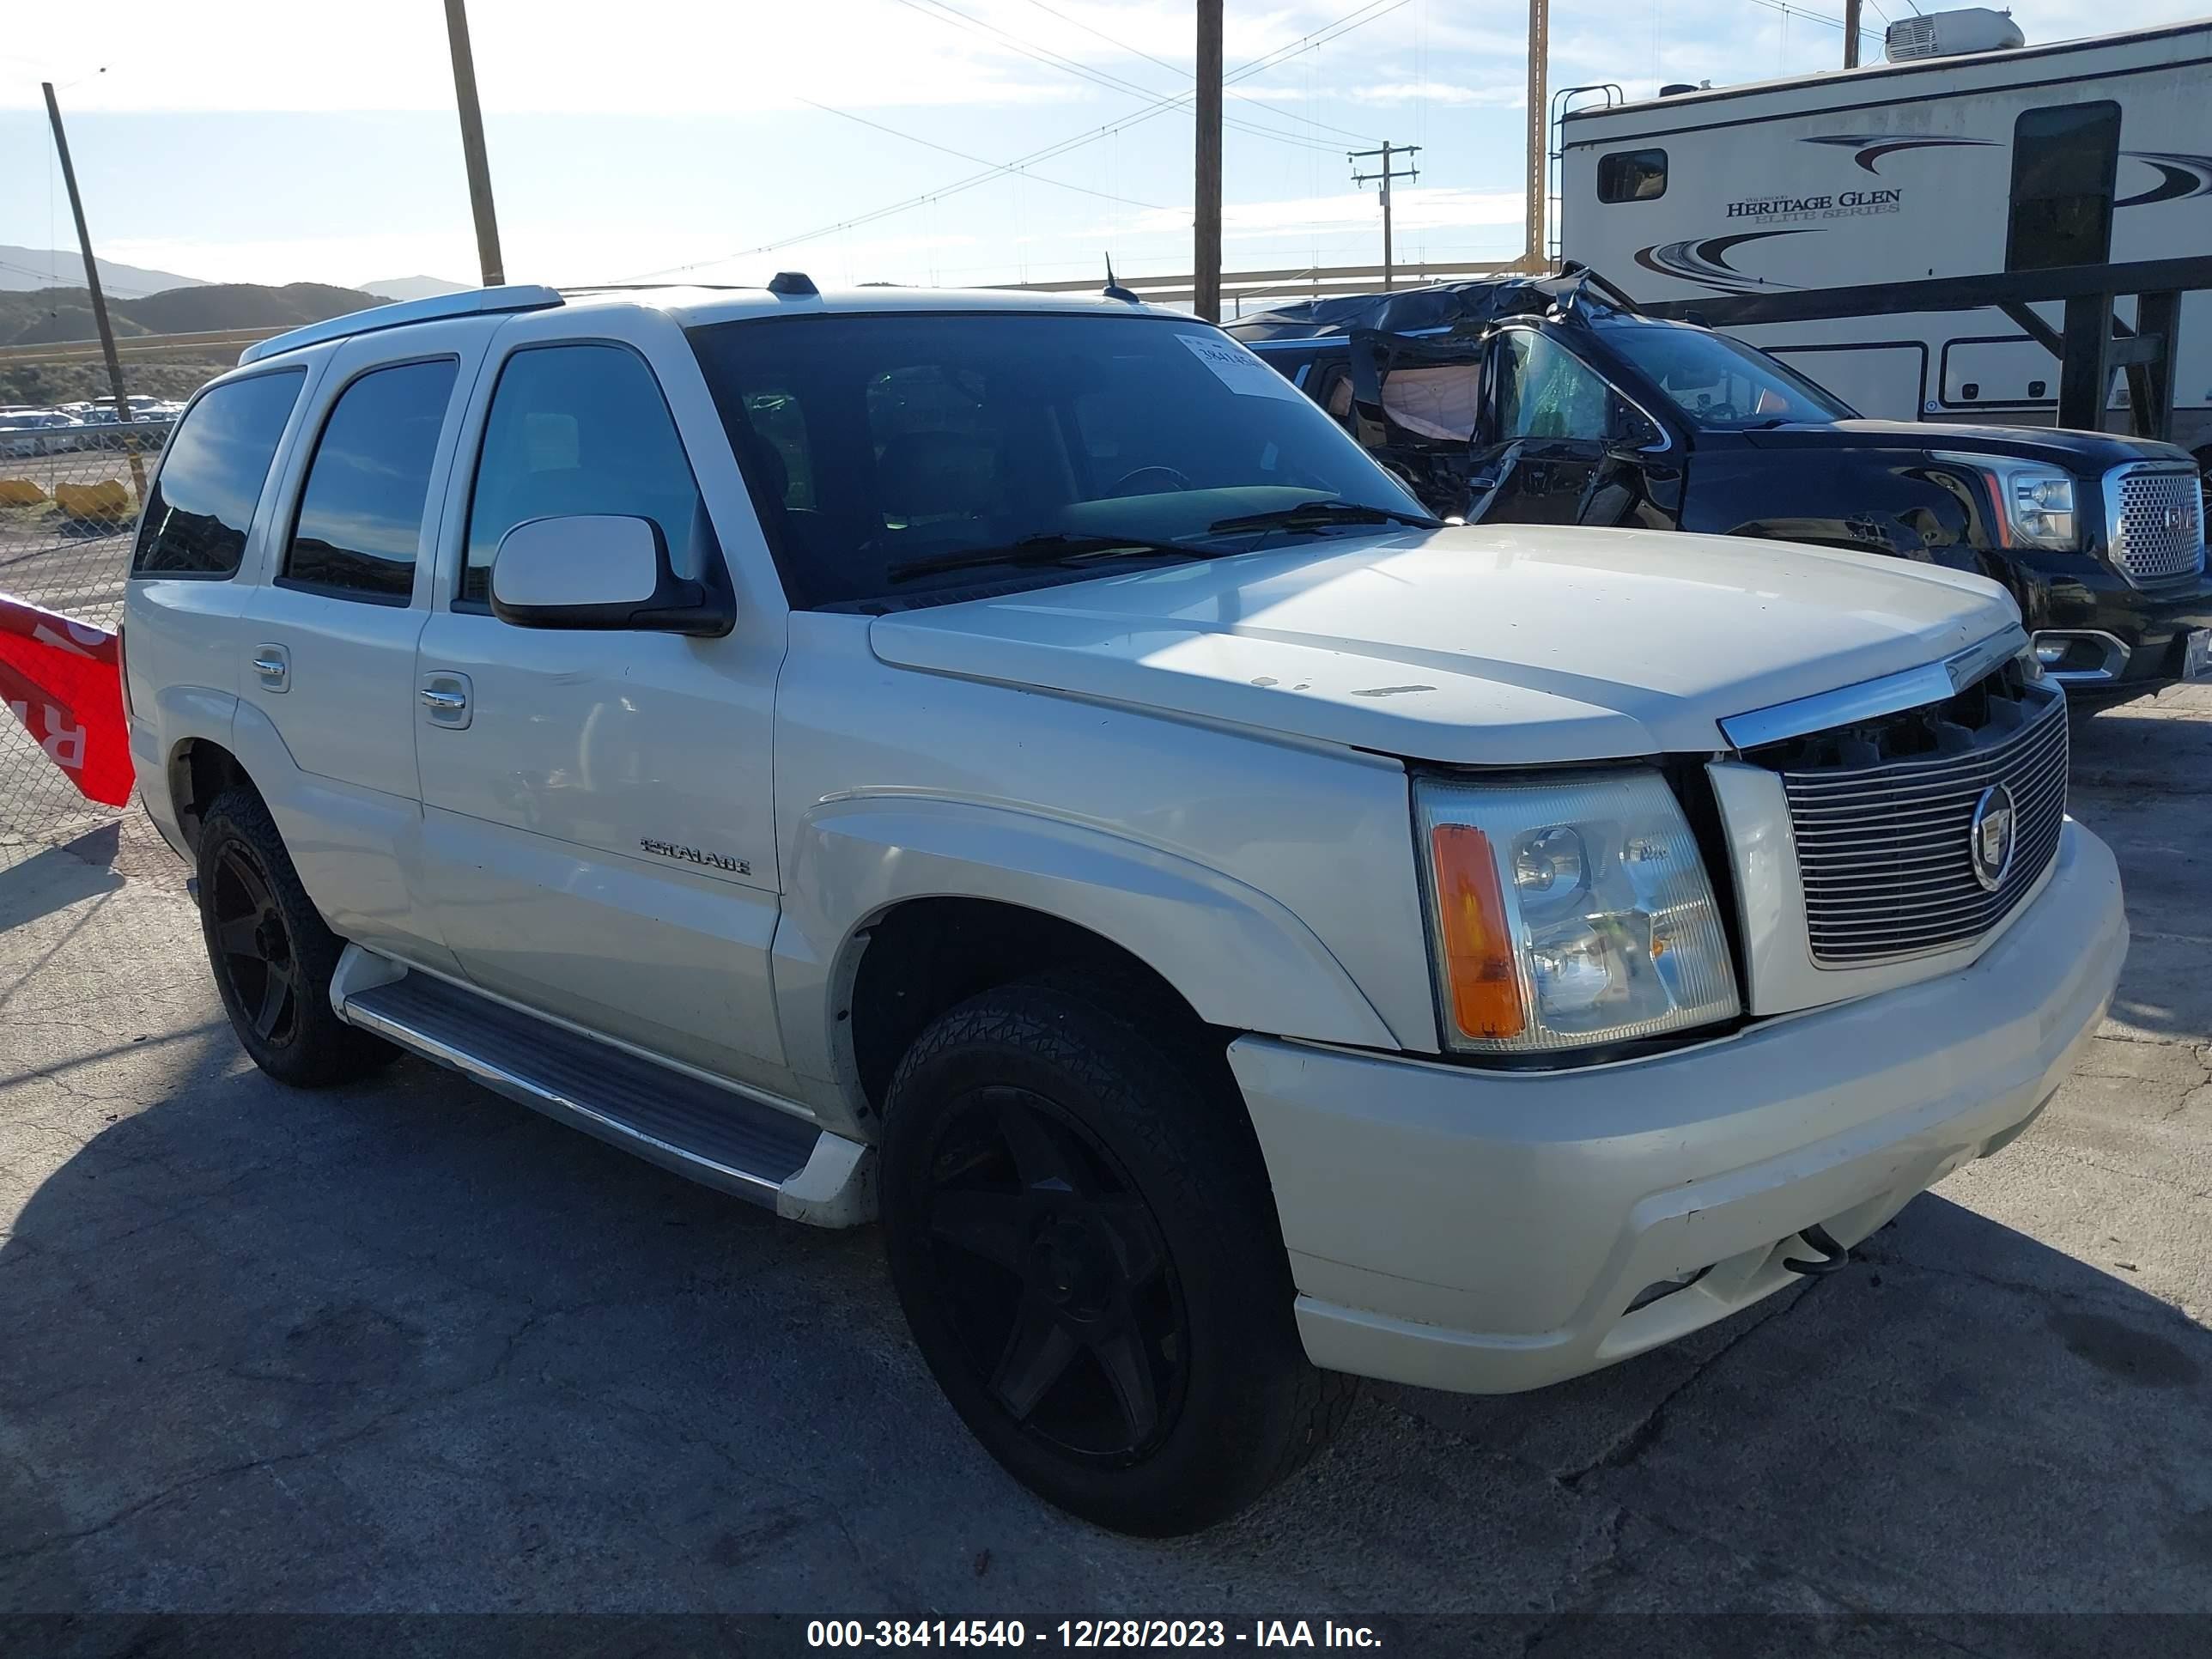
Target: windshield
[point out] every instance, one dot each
(880, 445)
(1717, 381)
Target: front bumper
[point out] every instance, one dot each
(1486, 1230)
(2141, 631)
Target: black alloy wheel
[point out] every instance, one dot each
(1079, 1223)
(271, 953)
(1057, 1277)
(254, 944)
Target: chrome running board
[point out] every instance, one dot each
(718, 1136)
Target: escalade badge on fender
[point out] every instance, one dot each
(692, 855)
(1989, 837)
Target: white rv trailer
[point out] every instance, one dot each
(2075, 153)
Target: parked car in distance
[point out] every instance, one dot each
(1554, 401)
(1012, 767)
(32, 432)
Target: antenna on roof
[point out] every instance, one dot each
(1114, 290)
(792, 285)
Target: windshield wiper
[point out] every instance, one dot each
(1055, 547)
(1320, 514)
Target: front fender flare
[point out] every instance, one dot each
(1238, 956)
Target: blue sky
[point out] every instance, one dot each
(255, 140)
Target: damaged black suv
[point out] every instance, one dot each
(1556, 401)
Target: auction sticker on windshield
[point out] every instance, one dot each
(1238, 369)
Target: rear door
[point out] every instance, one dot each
(326, 712)
(1416, 405)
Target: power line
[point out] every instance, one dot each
(962, 155)
(1247, 98)
(1358, 18)
(1788, 10)
(53, 280)
(938, 11)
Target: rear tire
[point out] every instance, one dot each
(271, 955)
(1081, 1232)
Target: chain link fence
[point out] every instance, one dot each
(69, 500)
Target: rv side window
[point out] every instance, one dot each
(2063, 163)
(1632, 175)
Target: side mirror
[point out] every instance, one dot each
(1634, 430)
(600, 570)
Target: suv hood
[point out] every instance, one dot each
(1503, 645)
(2084, 452)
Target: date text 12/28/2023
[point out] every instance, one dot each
(1085, 1633)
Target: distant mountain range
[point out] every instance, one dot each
(52, 314)
(25, 268)
(415, 288)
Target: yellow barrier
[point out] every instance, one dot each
(108, 500)
(20, 492)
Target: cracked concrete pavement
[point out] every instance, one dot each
(408, 1348)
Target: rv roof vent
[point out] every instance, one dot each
(1676, 89)
(1950, 33)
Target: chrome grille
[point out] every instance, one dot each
(2155, 516)
(1883, 850)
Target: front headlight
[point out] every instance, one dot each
(2034, 503)
(1570, 912)
(2038, 500)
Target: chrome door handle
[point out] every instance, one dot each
(273, 664)
(445, 697)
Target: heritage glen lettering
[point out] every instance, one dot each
(1768, 206)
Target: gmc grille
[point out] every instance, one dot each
(2155, 520)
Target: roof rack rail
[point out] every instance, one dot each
(470, 302)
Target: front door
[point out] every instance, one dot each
(329, 638)
(1553, 416)
(599, 842)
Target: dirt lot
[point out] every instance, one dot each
(409, 1347)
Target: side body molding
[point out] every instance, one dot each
(1239, 957)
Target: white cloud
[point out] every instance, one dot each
(1413, 208)
(645, 57)
(1504, 95)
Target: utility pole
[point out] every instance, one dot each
(1850, 33)
(472, 144)
(1538, 258)
(1384, 177)
(1206, 263)
(98, 298)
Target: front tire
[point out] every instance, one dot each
(272, 954)
(1082, 1235)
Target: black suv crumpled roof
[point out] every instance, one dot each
(1446, 306)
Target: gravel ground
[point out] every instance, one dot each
(409, 1348)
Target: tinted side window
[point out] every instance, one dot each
(579, 428)
(2063, 163)
(361, 513)
(1545, 390)
(200, 507)
(1632, 175)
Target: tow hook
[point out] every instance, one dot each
(1836, 1258)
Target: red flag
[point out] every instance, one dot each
(63, 678)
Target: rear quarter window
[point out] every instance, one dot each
(201, 504)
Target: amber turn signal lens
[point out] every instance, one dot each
(1485, 990)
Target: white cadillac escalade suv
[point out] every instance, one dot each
(1016, 768)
